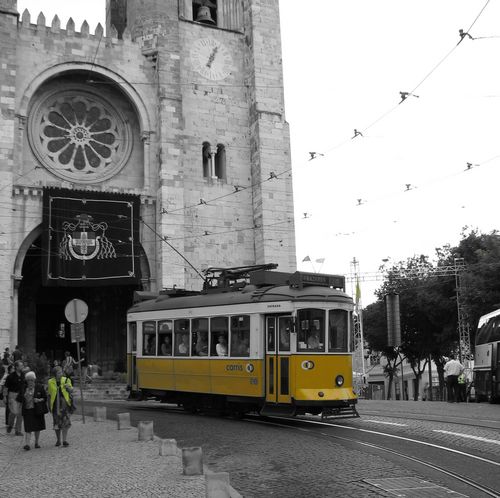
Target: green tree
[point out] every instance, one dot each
(481, 280)
(427, 313)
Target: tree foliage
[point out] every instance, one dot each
(481, 280)
(428, 306)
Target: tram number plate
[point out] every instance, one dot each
(254, 381)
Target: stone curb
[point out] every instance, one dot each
(206, 471)
(219, 486)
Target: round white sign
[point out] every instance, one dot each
(76, 311)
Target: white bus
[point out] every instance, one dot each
(487, 358)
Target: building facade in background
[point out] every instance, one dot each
(122, 150)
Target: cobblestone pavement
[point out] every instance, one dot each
(100, 462)
(265, 461)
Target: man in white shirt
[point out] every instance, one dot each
(452, 369)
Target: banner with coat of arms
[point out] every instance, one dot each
(90, 238)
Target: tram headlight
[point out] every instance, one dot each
(339, 380)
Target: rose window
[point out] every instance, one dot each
(79, 137)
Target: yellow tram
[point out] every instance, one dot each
(275, 343)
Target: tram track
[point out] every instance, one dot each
(449, 419)
(278, 422)
(428, 457)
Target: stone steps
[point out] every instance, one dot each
(102, 389)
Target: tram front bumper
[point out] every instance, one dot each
(324, 397)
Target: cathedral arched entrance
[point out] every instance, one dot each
(40, 313)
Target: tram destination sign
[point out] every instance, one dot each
(90, 238)
(300, 279)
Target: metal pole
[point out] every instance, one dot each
(80, 374)
(430, 378)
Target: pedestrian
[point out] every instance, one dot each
(34, 401)
(462, 387)
(14, 384)
(3, 391)
(6, 357)
(68, 364)
(85, 366)
(452, 369)
(60, 404)
(17, 354)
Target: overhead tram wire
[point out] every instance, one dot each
(432, 181)
(89, 79)
(363, 201)
(237, 189)
(392, 109)
(274, 175)
(164, 239)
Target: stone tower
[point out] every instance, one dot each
(188, 95)
(239, 106)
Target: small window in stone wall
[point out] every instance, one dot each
(226, 14)
(214, 161)
(220, 162)
(205, 11)
(207, 159)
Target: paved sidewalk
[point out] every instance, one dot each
(101, 461)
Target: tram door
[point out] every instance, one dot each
(132, 356)
(278, 330)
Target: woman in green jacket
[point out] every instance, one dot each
(60, 404)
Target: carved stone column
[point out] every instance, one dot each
(146, 140)
(213, 152)
(14, 332)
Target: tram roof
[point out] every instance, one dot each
(247, 295)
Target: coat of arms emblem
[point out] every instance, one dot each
(85, 240)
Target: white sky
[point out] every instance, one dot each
(345, 63)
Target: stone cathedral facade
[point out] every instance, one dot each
(176, 104)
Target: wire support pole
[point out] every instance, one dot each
(456, 270)
(464, 346)
(358, 358)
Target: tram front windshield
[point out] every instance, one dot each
(314, 325)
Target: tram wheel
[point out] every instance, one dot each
(190, 407)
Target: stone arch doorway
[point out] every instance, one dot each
(40, 311)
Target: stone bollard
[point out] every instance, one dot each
(123, 421)
(168, 447)
(217, 485)
(192, 461)
(99, 414)
(145, 428)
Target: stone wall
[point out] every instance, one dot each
(148, 71)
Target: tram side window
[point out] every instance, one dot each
(181, 337)
(311, 334)
(284, 327)
(165, 338)
(240, 336)
(132, 334)
(199, 331)
(271, 333)
(337, 330)
(149, 338)
(219, 333)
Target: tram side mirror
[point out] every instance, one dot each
(293, 325)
